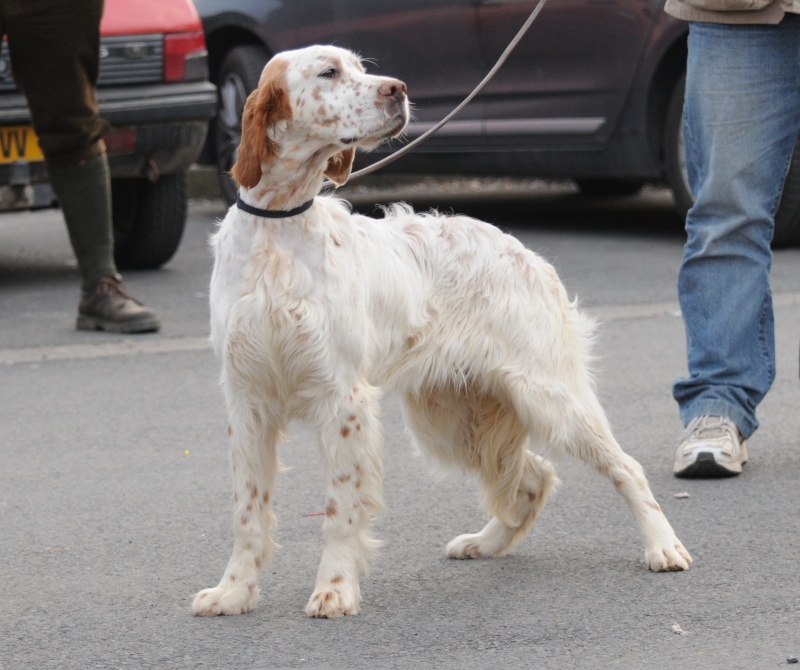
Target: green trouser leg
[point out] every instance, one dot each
(84, 192)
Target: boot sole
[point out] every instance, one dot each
(126, 327)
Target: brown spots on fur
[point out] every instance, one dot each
(358, 427)
(358, 484)
(244, 520)
(266, 497)
(253, 491)
(230, 431)
(249, 507)
(345, 431)
(351, 418)
(338, 579)
(359, 469)
(619, 483)
(330, 121)
(531, 496)
(232, 578)
(330, 509)
(343, 479)
(258, 564)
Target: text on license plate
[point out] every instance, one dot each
(19, 143)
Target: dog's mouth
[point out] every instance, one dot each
(396, 126)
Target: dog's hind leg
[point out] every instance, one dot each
(570, 419)
(483, 435)
(352, 448)
(514, 511)
(254, 440)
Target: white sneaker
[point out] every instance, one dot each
(711, 447)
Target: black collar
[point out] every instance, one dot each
(273, 213)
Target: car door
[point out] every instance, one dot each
(432, 45)
(567, 80)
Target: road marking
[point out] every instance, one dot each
(126, 347)
(148, 345)
(659, 309)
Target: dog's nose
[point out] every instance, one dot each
(392, 88)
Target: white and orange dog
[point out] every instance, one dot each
(314, 308)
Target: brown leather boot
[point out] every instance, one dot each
(110, 307)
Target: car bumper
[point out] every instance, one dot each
(155, 130)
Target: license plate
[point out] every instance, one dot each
(19, 143)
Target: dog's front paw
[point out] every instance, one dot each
(218, 600)
(329, 603)
(465, 546)
(668, 558)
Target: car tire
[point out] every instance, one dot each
(787, 218)
(149, 218)
(674, 155)
(238, 75)
(611, 188)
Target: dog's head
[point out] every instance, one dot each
(319, 102)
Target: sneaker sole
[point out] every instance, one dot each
(131, 327)
(706, 467)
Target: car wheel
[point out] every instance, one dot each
(149, 218)
(674, 155)
(238, 76)
(611, 188)
(787, 218)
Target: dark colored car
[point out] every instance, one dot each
(594, 91)
(154, 90)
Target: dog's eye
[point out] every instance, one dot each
(330, 73)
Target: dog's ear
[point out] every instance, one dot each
(339, 166)
(267, 105)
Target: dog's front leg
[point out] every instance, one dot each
(351, 441)
(254, 442)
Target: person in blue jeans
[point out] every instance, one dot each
(741, 122)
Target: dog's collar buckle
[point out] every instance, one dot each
(272, 213)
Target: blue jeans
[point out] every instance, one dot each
(741, 121)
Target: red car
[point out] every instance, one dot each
(154, 90)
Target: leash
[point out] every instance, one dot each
(408, 147)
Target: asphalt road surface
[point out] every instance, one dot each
(114, 485)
